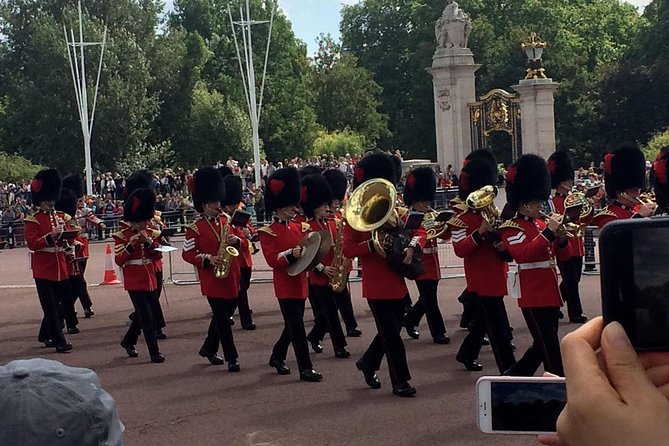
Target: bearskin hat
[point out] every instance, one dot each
(526, 180)
(207, 185)
(46, 186)
(481, 153)
(224, 171)
(397, 164)
(476, 173)
(67, 202)
(75, 184)
(141, 178)
(283, 189)
(338, 183)
(660, 178)
(561, 167)
(374, 165)
(140, 205)
(310, 170)
(421, 185)
(315, 192)
(624, 168)
(233, 190)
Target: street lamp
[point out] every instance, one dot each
(534, 49)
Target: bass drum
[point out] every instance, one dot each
(395, 243)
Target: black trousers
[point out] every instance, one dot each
(388, 315)
(545, 348)
(293, 332)
(466, 299)
(49, 293)
(327, 319)
(489, 316)
(143, 321)
(156, 308)
(427, 304)
(243, 297)
(220, 330)
(80, 291)
(571, 270)
(345, 306)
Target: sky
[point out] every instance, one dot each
(312, 17)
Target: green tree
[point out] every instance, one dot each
(339, 144)
(658, 142)
(14, 168)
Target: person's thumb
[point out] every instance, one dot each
(622, 363)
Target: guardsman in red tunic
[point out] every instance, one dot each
(624, 179)
(280, 247)
(535, 246)
(419, 193)
(383, 287)
(43, 234)
(339, 185)
(561, 168)
(660, 180)
(134, 248)
(247, 233)
(315, 198)
(476, 240)
(206, 247)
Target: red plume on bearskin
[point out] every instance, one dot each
(511, 174)
(660, 168)
(136, 203)
(552, 165)
(304, 194)
(608, 159)
(276, 186)
(411, 181)
(464, 163)
(36, 185)
(464, 180)
(283, 189)
(359, 175)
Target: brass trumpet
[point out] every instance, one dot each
(644, 199)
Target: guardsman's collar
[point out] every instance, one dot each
(623, 206)
(558, 194)
(281, 220)
(524, 217)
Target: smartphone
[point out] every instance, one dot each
(520, 405)
(634, 280)
(414, 220)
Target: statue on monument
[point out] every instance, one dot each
(453, 27)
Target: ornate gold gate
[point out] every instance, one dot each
(495, 111)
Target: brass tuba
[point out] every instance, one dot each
(483, 201)
(225, 253)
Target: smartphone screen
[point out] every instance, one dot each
(526, 406)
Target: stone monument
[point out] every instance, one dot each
(453, 76)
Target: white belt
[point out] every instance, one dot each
(429, 250)
(536, 265)
(137, 262)
(51, 249)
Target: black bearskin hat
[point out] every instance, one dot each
(141, 178)
(526, 180)
(224, 171)
(46, 186)
(233, 190)
(476, 173)
(67, 202)
(421, 185)
(310, 170)
(283, 189)
(140, 205)
(375, 165)
(315, 192)
(338, 183)
(561, 167)
(208, 185)
(75, 184)
(397, 164)
(624, 168)
(481, 153)
(660, 178)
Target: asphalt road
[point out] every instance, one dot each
(186, 401)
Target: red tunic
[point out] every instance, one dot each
(202, 242)
(245, 259)
(84, 217)
(136, 260)
(576, 244)
(277, 240)
(48, 259)
(614, 211)
(316, 277)
(485, 270)
(535, 256)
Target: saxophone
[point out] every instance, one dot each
(225, 253)
(339, 262)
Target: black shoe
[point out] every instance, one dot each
(582, 319)
(160, 335)
(370, 375)
(310, 375)
(280, 366)
(485, 341)
(233, 366)
(214, 359)
(315, 345)
(232, 322)
(412, 331)
(342, 353)
(354, 333)
(158, 358)
(88, 313)
(404, 389)
(560, 314)
(131, 316)
(470, 364)
(513, 346)
(73, 330)
(249, 326)
(49, 343)
(130, 350)
(442, 339)
(64, 348)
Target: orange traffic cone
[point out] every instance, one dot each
(110, 272)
